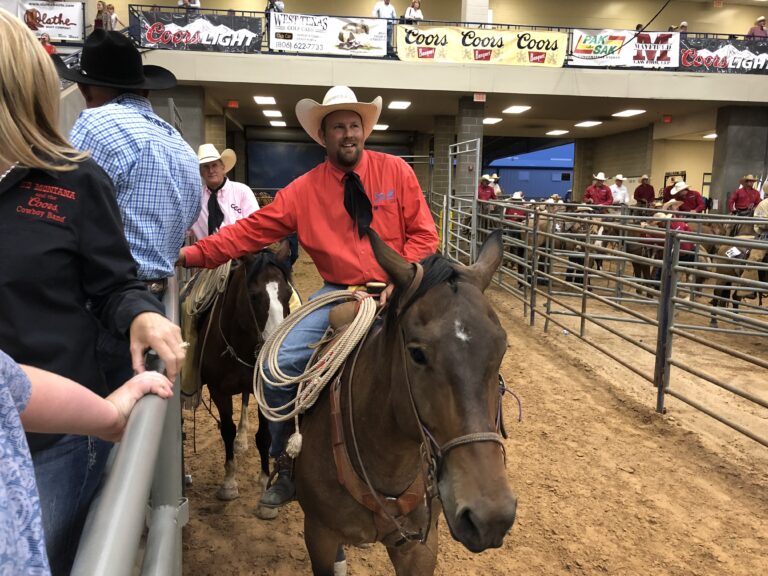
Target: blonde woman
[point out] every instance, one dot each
(413, 12)
(66, 269)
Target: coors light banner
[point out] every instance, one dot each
(199, 32)
(724, 56)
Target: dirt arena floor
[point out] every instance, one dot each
(605, 484)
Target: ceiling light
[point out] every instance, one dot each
(381, 126)
(557, 132)
(711, 136)
(264, 100)
(516, 110)
(273, 113)
(277, 123)
(491, 120)
(399, 105)
(588, 124)
(628, 113)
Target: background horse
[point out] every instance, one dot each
(232, 331)
(425, 381)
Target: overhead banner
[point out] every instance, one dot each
(199, 31)
(724, 56)
(308, 34)
(624, 49)
(60, 20)
(477, 45)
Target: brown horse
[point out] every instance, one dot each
(232, 331)
(412, 424)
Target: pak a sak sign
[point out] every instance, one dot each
(624, 49)
(724, 56)
(481, 46)
(199, 32)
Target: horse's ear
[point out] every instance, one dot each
(399, 269)
(491, 253)
(282, 250)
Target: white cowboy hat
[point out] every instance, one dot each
(518, 195)
(584, 209)
(599, 176)
(485, 177)
(748, 178)
(310, 113)
(207, 153)
(619, 177)
(679, 187)
(644, 177)
(662, 215)
(494, 176)
(760, 19)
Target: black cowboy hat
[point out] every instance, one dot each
(110, 59)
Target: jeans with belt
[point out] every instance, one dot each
(292, 358)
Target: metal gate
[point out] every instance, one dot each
(459, 213)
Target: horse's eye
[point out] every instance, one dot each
(417, 355)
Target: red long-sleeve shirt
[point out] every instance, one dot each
(645, 193)
(313, 206)
(485, 192)
(743, 198)
(599, 194)
(693, 202)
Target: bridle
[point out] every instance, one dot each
(432, 454)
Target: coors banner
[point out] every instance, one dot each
(199, 31)
(477, 45)
(724, 56)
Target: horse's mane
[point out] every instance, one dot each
(264, 258)
(437, 270)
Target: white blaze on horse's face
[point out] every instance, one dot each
(275, 315)
(461, 332)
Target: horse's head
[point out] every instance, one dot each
(448, 346)
(267, 282)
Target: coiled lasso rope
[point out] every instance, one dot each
(312, 382)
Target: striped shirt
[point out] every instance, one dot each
(155, 172)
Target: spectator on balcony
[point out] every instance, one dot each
(619, 191)
(189, 5)
(758, 30)
(102, 20)
(598, 193)
(413, 12)
(683, 27)
(113, 17)
(644, 194)
(45, 40)
(744, 199)
(384, 9)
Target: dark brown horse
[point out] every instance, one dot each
(254, 302)
(422, 393)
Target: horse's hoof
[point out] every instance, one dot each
(266, 513)
(227, 493)
(340, 568)
(241, 445)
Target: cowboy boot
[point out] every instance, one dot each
(281, 488)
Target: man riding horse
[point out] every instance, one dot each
(331, 208)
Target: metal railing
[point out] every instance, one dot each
(146, 462)
(667, 305)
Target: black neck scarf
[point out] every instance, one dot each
(215, 215)
(357, 203)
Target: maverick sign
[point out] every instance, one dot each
(724, 56)
(476, 45)
(195, 31)
(624, 49)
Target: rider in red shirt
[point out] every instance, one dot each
(745, 197)
(691, 200)
(644, 194)
(598, 193)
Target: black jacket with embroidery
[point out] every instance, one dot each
(64, 266)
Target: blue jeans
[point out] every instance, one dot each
(68, 474)
(292, 358)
